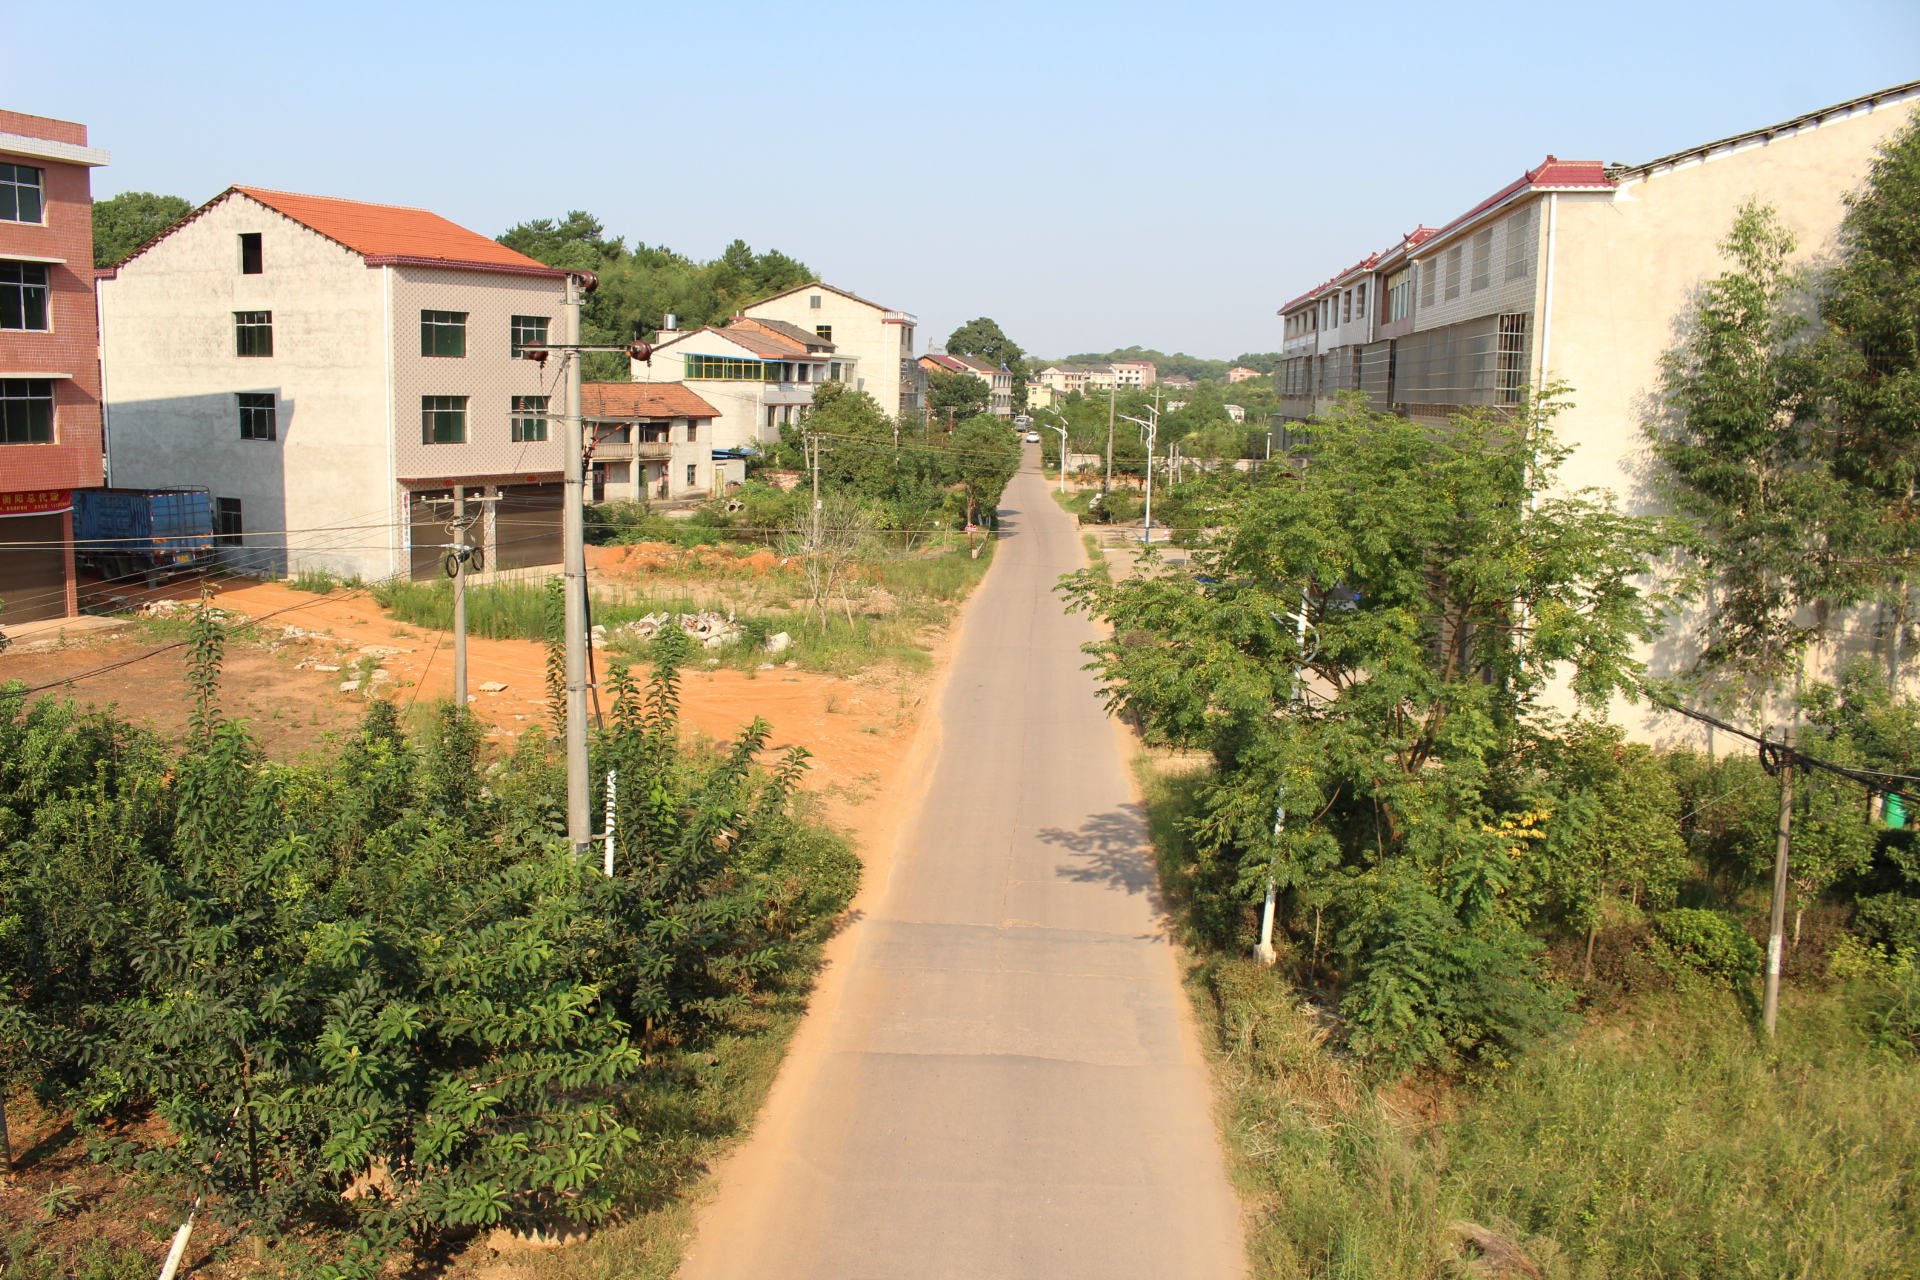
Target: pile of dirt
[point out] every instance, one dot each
(634, 560)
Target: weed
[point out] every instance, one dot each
(58, 1202)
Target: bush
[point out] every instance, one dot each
(1708, 943)
(1889, 919)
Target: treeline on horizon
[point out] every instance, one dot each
(1195, 367)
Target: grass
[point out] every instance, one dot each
(922, 589)
(1666, 1138)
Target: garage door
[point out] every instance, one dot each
(527, 525)
(33, 580)
(428, 533)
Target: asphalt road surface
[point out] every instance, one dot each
(1004, 1086)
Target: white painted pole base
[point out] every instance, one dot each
(177, 1250)
(1264, 951)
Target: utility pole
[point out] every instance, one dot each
(1264, 951)
(1776, 926)
(1113, 399)
(573, 530)
(813, 461)
(459, 531)
(574, 571)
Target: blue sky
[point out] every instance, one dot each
(1090, 176)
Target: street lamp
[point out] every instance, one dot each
(1063, 444)
(1152, 430)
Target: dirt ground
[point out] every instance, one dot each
(858, 729)
(288, 685)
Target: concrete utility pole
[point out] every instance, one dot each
(574, 571)
(459, 531)
(1776, 925)
(1151, 431)
(1264, 949)
(1113, 400)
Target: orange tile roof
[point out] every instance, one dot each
(392, 233)
(642, 400)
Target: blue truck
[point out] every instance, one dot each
(143, 534)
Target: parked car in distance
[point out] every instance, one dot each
(1033, 437)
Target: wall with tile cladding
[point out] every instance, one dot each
(72, 343)
(172, 378)
(487, 375)
(1502, 296)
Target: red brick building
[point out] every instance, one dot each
(50, 421)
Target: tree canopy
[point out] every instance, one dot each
(984, 338)
(641, 285)
(124, 222)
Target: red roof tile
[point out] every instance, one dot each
(642, 400)
(415, 237)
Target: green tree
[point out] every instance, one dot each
(124, 222)
(983, 338)
(983, 456)
(953, 395)
(640, 286)
(1737, 433)
(1366, 642)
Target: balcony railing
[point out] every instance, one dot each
(618, 450)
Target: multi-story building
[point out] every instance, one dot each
(1101, 377)
(330, 369)
(1240, 373)
(1062, 379)
(50, 442)
(1134, 373)
(878, 342)
(653, 440)
(1576, 273)
(999, 381)
(757, 375)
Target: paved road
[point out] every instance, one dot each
(1004, 1087)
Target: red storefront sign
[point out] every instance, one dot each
(36, 502)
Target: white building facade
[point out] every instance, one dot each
(877, 342)
(329, 370)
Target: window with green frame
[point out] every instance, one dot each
(443, 419)
(732, 369)
(443, 333)
(529, 428)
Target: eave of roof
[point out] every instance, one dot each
(605, 400)
(1873, 101)
(816, 284)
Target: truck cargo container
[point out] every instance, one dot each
(124, 534)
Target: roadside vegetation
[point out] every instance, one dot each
(1512, 1021)
(363, 1008)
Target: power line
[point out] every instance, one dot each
(1775, 755)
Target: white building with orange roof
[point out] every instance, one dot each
(328, 369)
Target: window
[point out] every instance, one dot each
(528, 329)
(1360, 302)
(1429, 272)
(824, 332)
(690, 473)
(1514, 350)
(1346, 306)
(443, 333)
(1399, 295)
(833, 372)
(814, 302)
(26, 411)
(253, 333)
(257, 415)
(527, 428)
(20, 195)
(23, 295)
(1482, 260)
(770, 417)
(1520, 244)
(226, 521)
(443, 419)
(693, 433)
(733, 369)
(250, 261)
(1453, 272)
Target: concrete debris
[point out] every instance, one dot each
(323, 667)
(301, 633)
(381, 650)
(381, 673)
(492, 686)
(348, 686)
(779, 643)
(184, 608)
(710, 629)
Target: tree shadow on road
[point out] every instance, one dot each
(1110, 849)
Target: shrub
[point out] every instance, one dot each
(1891, 920)
(1708, 943)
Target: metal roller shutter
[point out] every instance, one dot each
(527, 525)
(33, 580)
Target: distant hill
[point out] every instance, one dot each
(1179, 362)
